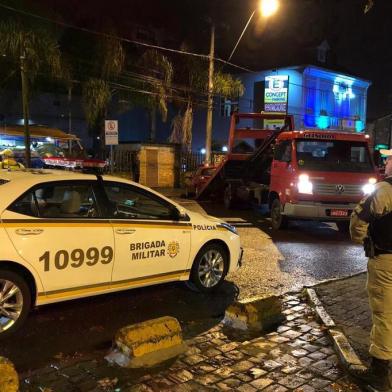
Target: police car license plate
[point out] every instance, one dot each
(339, 213)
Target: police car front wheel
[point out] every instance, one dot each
(209, 268)
(15, 302)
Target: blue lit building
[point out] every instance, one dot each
(317, 98)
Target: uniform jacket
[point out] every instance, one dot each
(375, 205)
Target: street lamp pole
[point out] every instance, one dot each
(239, 39)
(267, 8)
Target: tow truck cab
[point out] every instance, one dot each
(319, 175)
(302, 175)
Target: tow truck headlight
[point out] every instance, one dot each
(304, 185)
(369, 188)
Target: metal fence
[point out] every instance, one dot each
(190, 160)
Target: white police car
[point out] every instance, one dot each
(67, 235)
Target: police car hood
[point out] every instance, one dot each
(199, 218)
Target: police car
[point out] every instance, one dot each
(67, 235)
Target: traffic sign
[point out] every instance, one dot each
(111, 132)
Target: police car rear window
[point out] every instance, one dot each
(2, 181)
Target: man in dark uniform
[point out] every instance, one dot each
(371, 225)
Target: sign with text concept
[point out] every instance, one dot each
(276, 93)
(111, 132)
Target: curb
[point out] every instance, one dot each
(147, 343)
(9, 380)
(254, 313)
(346, 353)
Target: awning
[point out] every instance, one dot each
(37, 131)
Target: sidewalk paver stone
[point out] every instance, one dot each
(297, 356)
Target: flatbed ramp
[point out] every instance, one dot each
(245, 167)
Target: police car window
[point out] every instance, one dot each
(127, 202)
(75, 201)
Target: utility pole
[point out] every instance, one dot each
(70, 117)
(210, 104)
(25, 104)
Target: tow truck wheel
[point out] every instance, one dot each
(278, 220)
(209, 268)
(15, 302)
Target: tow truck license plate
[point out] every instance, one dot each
(339, 213)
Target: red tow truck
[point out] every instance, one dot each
(298, 175)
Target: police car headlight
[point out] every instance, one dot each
(304, 185)
(231, 228)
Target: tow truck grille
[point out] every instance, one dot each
(338, 189)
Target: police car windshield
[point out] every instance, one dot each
(333, 155)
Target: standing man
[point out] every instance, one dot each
(371, 225)
(135, 165)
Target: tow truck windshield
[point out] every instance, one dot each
(333, 155)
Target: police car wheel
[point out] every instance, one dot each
(15, 302)
(278, 221)
(209, 268)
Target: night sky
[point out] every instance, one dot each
(360, 44)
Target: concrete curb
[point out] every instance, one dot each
(254, 313)
(147, 343)
(346, 353)
(9, 380)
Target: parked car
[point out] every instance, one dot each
(195, 181)
(67, 235)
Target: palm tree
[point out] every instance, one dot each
(158, 71)
(194, 75)
(33, 49)
(98, 92)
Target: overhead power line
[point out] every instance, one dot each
(130, 41)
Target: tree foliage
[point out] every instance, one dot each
(159, 72)
(96, 97)
(38, 47)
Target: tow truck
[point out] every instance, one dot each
(296, 174)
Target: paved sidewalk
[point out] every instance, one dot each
(346, 301)
(297, 357)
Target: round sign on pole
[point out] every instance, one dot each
(111, 132)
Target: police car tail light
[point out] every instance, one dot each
(369, 188)
(304, 185)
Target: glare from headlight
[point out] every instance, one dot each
(229, 227)
(304, 185)
(367, 189)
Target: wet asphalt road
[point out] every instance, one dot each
(274, 262)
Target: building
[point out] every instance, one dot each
(316, 97)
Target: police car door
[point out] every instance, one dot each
(56, 228)
(150, 245)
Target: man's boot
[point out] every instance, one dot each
(378, 375)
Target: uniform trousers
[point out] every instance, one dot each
(379, 287)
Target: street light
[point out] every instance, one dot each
(267, 8)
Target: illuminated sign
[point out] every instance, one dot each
(275, 98)
(276, 93)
